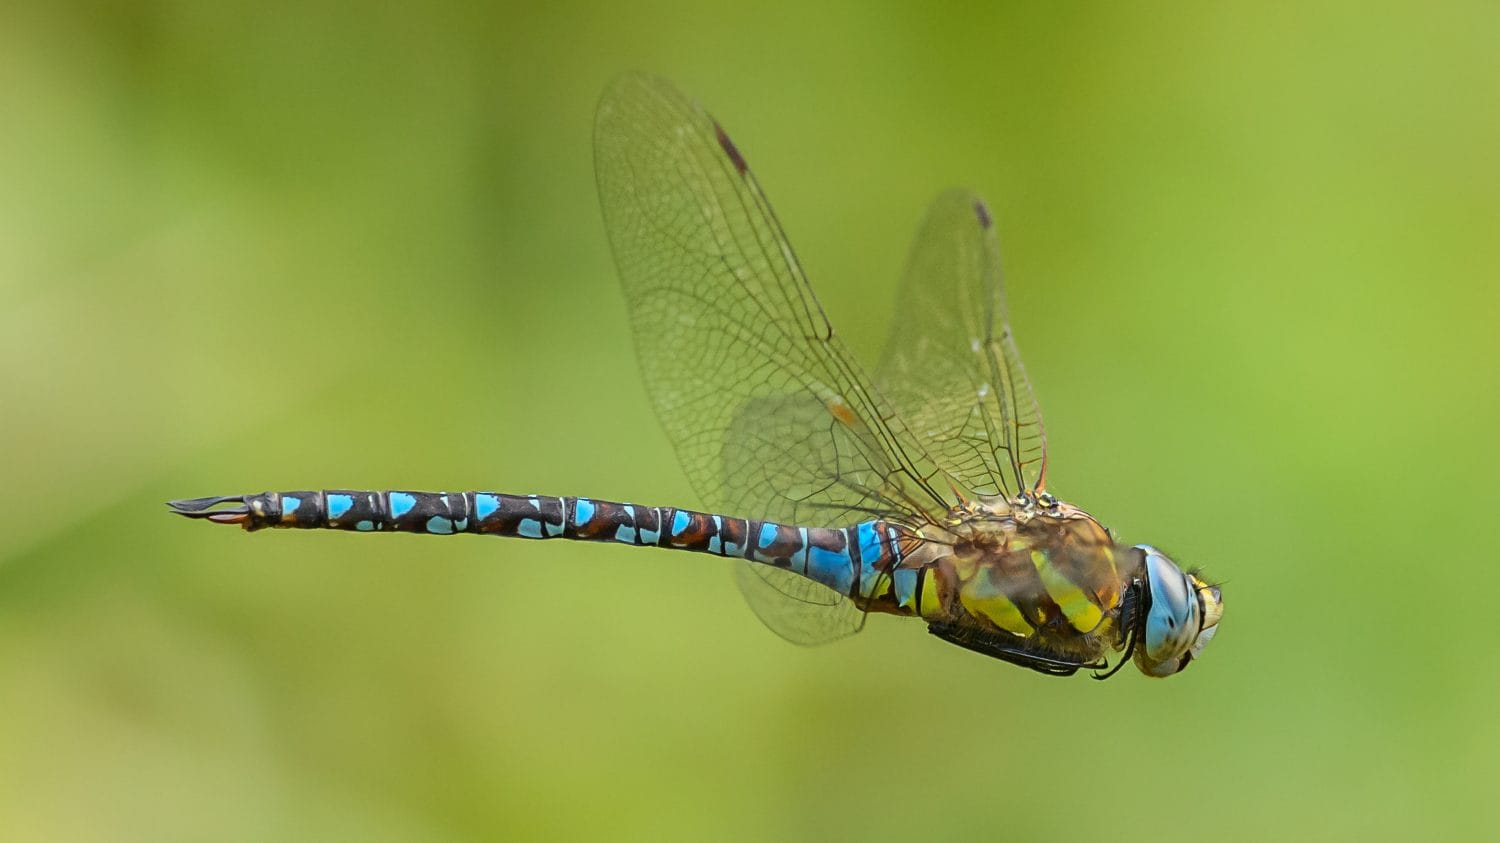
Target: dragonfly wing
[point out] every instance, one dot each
(796, 608)
(769, 414)
(787, 455)
(728, 329)
(951, 367)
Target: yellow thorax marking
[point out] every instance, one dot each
(1076, 606)
(981, 597)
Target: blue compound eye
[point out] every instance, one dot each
(1172, 622)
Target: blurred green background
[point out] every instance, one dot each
(1252, 257)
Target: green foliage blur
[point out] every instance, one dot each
(1252, 256)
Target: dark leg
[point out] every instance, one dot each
(1004, 647)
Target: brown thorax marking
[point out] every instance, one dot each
(998, 534)
(990, 515)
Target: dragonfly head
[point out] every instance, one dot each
(1180, 614)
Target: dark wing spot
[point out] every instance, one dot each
(980, 210)
(730, 149)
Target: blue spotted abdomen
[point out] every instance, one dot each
(849, 560)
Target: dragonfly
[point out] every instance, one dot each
(919, 491)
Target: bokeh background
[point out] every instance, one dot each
(1252, 257)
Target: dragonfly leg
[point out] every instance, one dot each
(1004, 648)
(1131, 602)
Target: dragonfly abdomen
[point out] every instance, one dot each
(848, 560)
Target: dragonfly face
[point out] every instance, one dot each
(1181, 617)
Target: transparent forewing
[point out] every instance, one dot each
(789, 455)
(951, 367)
(770, 416)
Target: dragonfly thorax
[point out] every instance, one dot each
(1025, 577)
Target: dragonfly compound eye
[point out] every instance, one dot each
(1176, 624)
